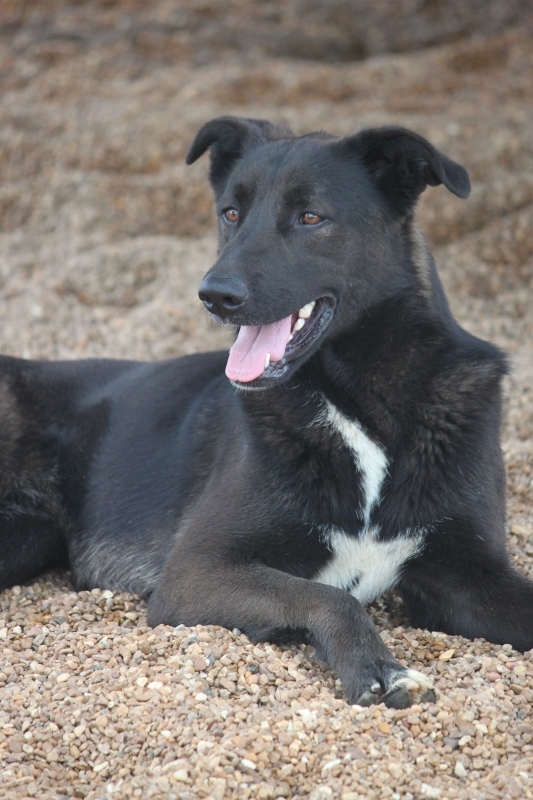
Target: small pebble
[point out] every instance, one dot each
(459, 770)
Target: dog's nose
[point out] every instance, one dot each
(222, 296)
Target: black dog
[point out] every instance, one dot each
(354, 447)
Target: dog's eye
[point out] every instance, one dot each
(231, 215)
(310, 219)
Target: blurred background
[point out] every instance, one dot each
(105, 233)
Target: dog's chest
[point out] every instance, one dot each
(364, 564)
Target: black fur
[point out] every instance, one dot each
(216, 504)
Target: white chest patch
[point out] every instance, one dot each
(369, 457)
(365, 566)
(362, 564)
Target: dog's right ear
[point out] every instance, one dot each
(401, 164)
(228, 138)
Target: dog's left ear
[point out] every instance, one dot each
(402, 163)
(228, 138)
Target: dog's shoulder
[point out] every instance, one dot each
(468, 375)
(451, 445)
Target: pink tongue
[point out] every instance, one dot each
(247, 356)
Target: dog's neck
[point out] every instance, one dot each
(374, 372)
(422, 264)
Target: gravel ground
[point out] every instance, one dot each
(104, 237)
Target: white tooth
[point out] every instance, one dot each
(306, 311)
(298, 325)
(291, 337)
(267, 360)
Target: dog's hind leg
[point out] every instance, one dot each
(199, 588)
(28, 546)
(32, 518)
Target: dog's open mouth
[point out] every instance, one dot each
(266, 350)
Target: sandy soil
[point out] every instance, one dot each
(104, 237)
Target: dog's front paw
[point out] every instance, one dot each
(398, 688)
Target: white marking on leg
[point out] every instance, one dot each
(369, 457)
(416, 683)
(374, 565)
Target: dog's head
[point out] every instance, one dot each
(310, 233)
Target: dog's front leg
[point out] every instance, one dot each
(471, 590)
(197, 588)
